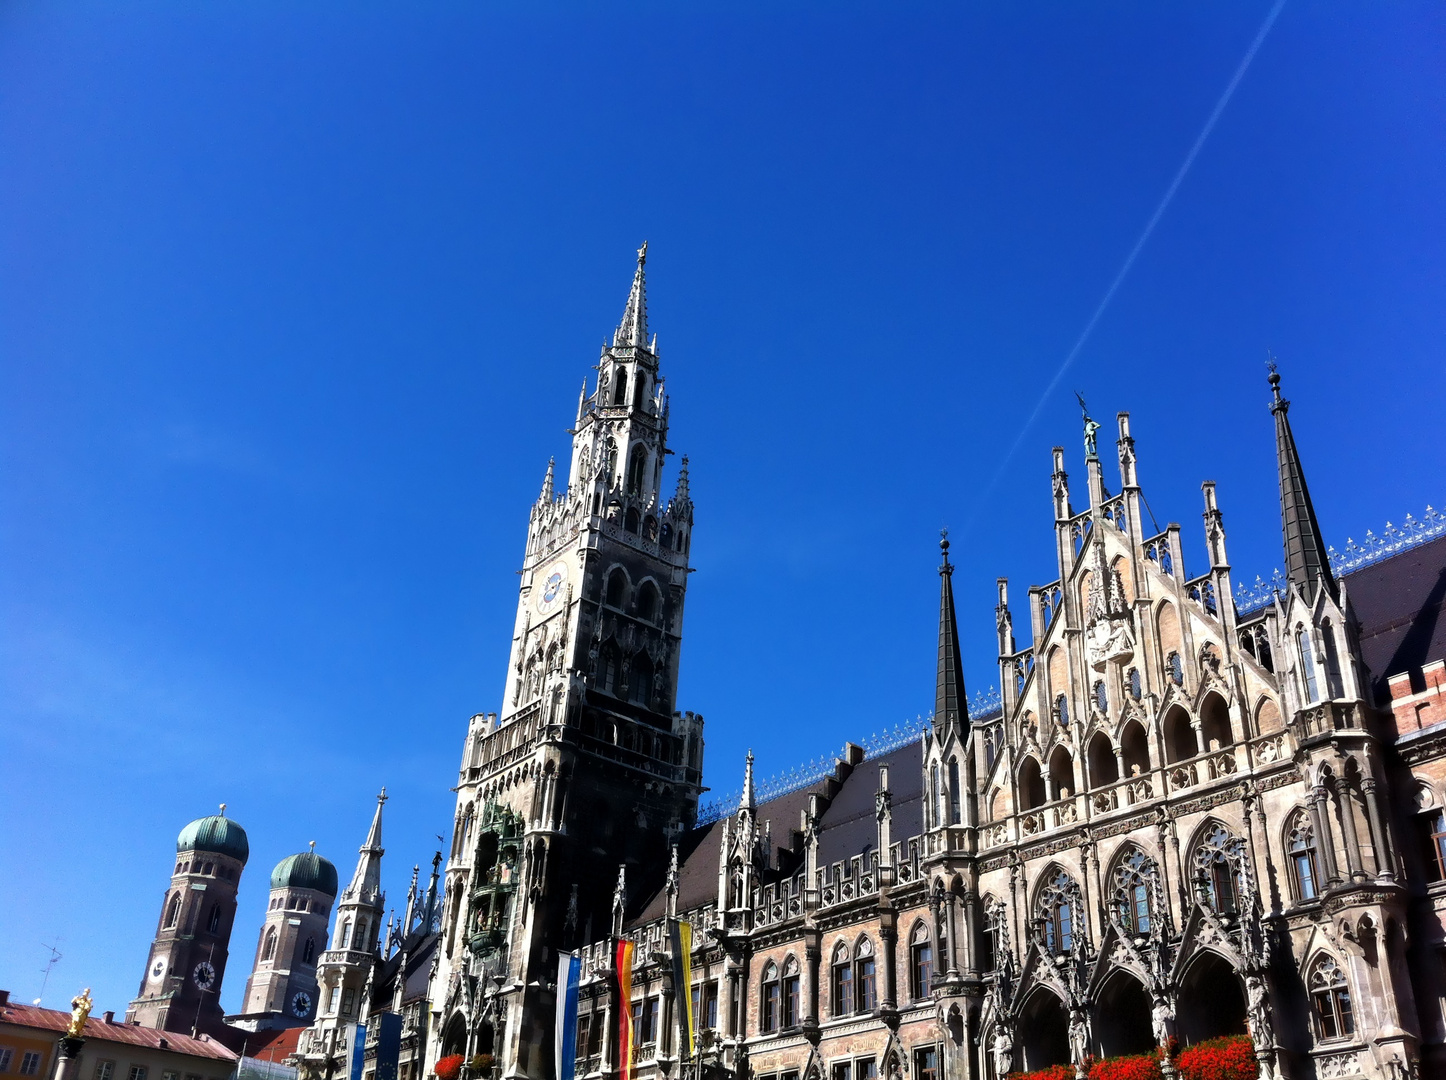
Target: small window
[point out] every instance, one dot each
(173, 911)
(921, 964)
(617, 589)
(1307, 665)
(308, 953)
(1431, 830)
(6, 1053)
(926, 1063)
(213, 924)
(1331, 999)
(268, 951)
(843, 983)
(865, 995)
(170, 1074)
(1176, 669)
(30, 1065)
(137, 1072)
(1300, 844)
(865, 1069)
(104, 1070)
(348, 1001)
(843, 1070)
(791, 1000)
(647, 602)
(771, 1002)
(1061, 710)
(649, 1031)
(1102, 699)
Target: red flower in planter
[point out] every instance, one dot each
(1054, 1072)
(1133, 1067)
(448, 1067)
(1228, 1058)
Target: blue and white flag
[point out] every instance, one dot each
(569, 974)
(356, 1056)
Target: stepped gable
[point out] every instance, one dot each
(1398, 602)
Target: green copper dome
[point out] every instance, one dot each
(305, 871)
(216, 834)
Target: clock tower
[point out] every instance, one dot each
(587, 766)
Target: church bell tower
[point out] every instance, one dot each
(586, 766)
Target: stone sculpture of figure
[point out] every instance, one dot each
(1003, 1049)
(1160, 1021)
(1091, 428)
(1079, 1035)
(1258, 1009)
(79, 1011)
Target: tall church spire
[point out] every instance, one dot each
(633, 330)
(367, 881)
(950, 703)
(1306, 561)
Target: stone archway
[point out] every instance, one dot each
(1122, 1017)
(1043, 1031)
(1212, 1000)
(454, 1036)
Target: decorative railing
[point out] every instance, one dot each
(1393, 540)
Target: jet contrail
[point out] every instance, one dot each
(1140, 243)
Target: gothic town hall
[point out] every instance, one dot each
(1192, 809)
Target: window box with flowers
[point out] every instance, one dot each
(449, 1067)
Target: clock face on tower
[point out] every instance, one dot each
(204, 975)
(553, 588)
(158, 969)
(301, 1004)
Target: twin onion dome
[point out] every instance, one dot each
(217, 834)
(305, 871)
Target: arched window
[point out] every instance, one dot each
(921, 962)
(1215, 722)
(865, 999)
(791, 997)
(268, 951)
(609, 673)
(1332, 661)
(308, 952)
(953, 791)
(1180, 741)
(1175, 669)
(647, 601)
(1102, 698)
(1431, 832)
(640, 681)
(1133, 881)
(620, 388)
(771, 999)
(640, 387)
(843, 981)
(935, 807)
(637, 465)
(1135, 748)
(1061, 711)
(1217, 870)
(617, 589)
(1307, 665)
(1057, 917)
(1331, 1000)
(630, 520)
(1300, 847)
(1104, 768)
(213, 924)
(173, 911)
(1031, 784)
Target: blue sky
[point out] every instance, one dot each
(295, 303)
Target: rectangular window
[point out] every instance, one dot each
(1432, 830)
(650, 1020)
(348, 1000)
(30, 1063)
(583, 1023)
(790, 1001)
(6, 1054)
(865, 985)
(1304, 874)
(926, 1063)
(843, 990)
(865, 1069)
(637, 1027)
(772, 995)
(843, 1070)
(170, 1074)
(922, 971)
(1325, 1015)
(138, 1072)
(595, 1037)
(789, 1076)
(709, 1017)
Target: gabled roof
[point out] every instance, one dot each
(33, 1016)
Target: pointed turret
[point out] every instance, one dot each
(633, 330)
(546, 497)
(681, 504)
(950, 704)
(1306, 561)
(749, 801)
(366, 883)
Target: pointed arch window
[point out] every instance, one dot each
(771, 1000)
(921, 962)
(843, 981)
(1300, 847)
(268, 950)
(1330, 1000)
(1057, 916)
(792, 999)
(865, 997)
(1218, 870)
(308, 952)
(1102, 697)
(1332, 661)
(953, 791)
(647, 601)
(935, 807)
(617, 588)
(1175, 667)
(173, 911)
(213, 923)
(640, 681)
(1307, 665)
(637, 466)
(1061, 711)
(1133, 881)
(620, 388)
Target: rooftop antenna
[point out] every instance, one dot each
(49, 964)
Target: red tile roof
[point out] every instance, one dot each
(276, 1045)
(33, 1016)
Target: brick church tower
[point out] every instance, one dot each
(587, 767)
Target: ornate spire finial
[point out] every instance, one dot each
(223, 809)
(749, 801)
(313, 847)
(1306, 559)
(633, 330)
(946, 567)
(1274, 378)
(546, 496)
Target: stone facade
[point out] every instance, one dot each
(1190, 814)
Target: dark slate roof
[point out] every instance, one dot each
(847, 828)
(1398, 602)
